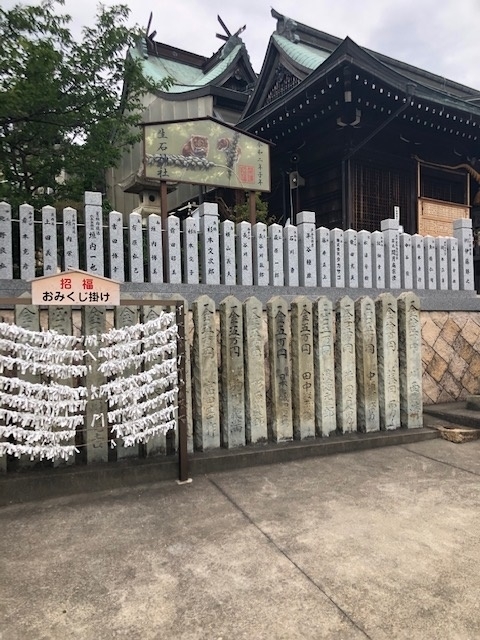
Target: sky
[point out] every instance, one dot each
(440, 36)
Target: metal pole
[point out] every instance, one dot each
(182, 396)
(253, 207)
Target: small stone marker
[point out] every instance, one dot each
(275, 255)
(255, 389)
(290, 256)
(367, 371)
(345, 370)
(390, 230)
(324, 271)
(70, 238)
(232, 374)
(157, 443)
(49, 239)
(442, 264)
(430, 262)
(324, 361)
(260, 255)
(94, 232)
(388, 371)
(27, 317)
(155, 247)
(173, 264)
(205, 375)
(406, 261)
(244, 254)
(60, 320)
(418, 257)
(378, 260)
(462, 231)
(27, 242)
(307, 258)
(280, 369)
(136, 248)
(191, 271)
(303, 389)
(209, 245)
(227, 253)
(410, 359)
(351, 258)
(126, 317)
(364, 247)
(452, 262)
(337, 258)
(96, 424)
(117, 266)
(6, 264)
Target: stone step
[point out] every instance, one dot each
(473, 402)
(451, 431)
(458, 413)
(43, 484)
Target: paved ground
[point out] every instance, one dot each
(376, 544)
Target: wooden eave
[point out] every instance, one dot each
(276, 57)
(220, 93)
(161, 50)
(349, 53)
(264, 80)
(242, 64)
(326, 42)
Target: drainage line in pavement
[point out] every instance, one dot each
(448, 464)
(272, 542)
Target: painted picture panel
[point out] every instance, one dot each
(204, 151)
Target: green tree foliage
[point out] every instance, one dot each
(242, 211)
(67, 108)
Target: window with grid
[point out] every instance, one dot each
(448, 186)
(376, 190)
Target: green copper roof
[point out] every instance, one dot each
(304, 55)
(185, 77)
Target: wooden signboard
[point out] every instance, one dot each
(77, 288)
(207, 152)
(436, 218)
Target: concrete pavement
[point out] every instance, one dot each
(373, 544)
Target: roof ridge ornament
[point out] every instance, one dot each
(231, 40)
(286, 27)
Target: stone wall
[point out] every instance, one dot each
(450, 355)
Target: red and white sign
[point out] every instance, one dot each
(77, 288)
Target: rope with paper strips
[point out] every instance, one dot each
(40, 419)
(143, 404)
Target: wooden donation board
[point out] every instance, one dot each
(436, 218)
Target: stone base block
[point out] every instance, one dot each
(459, 435)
